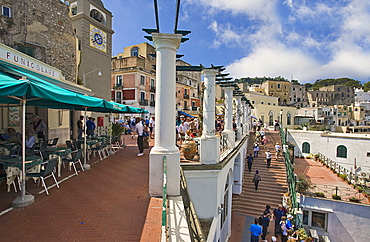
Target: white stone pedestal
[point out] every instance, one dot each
(156, 172)
(209, 150)
(230, 138)
(239, 132)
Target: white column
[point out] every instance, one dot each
(238, 100)
(165, 114)
(209, 142)
(243, 117)
(228, 127)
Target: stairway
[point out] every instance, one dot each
(272, 186)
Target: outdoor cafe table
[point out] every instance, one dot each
(13, 166)
(59, 152)
(7, 147)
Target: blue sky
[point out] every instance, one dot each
(303, 39)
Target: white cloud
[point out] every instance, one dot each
(224, 34)
(353, 63)
(255, 9)
(278, 61)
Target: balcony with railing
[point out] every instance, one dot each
(152, 89)
(152, 103)
(186, 96)
(143, 102)
(193, 108)
(186, 108)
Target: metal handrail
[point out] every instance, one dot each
(291, 177)
(195, 228)
(164, 201)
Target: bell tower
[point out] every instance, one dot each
(92, 23)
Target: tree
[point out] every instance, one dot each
(295, 82)
(367, 86)
(353, 83)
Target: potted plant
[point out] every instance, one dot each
(117, 129)
(303, 183)
(316, 156)
(343, 176)
(319, 194)
(359, 189)
(336, 197)
(355, 200)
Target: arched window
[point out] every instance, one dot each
(288, 119)
(306, 148)
(98, 16)
(342, 151)
(271, 118)
(135, 51)
(74, 9)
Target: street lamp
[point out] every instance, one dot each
(84, 75)
(281, 117)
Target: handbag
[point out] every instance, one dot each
(145, 143)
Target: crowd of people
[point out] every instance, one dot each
(283, 226)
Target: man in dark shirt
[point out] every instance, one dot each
(265, 224)
(80, 127)
(90, 127)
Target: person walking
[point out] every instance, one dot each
(256, 179)
(256, 148)
(268, 158)
(265, 225)
(250, 162)
(264, 142)
(80, 127)
(152, 127)
(277, 151)
(255, 230)
(139, 127)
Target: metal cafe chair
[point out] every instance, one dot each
(46, 173)
(76, 158)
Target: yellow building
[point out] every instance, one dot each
(268, 114)
(280, 89)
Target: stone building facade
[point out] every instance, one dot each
(133, 77)
(41, 29)
(188, 87)
(298, 96)
(331, 95)
(133, 80)
(280, 89)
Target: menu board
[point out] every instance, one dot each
(14, 116)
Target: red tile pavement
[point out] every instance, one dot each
(325, 180)
(110, 202)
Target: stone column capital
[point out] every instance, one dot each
(171, 41)
(208, 72)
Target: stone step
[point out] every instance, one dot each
(271, 188)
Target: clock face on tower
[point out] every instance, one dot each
(98, 38)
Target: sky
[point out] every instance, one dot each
(304, 40)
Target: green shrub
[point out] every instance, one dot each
(336, 197)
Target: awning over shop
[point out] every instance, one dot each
(36, 91)
(186, 114)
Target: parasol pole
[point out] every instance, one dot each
(23, 200)
(23, 145)
(86, 166)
